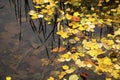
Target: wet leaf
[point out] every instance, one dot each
(71, 70)
(63, 34)
(84, 75)
(61, 75)
(58, 49)
(50, 78)
(73, 77)
(76, 19)
(65, 67)
(107, 0)
(8, 78)
(68, 17)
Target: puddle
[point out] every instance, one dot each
(25, 58)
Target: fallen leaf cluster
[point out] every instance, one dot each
(77, 22)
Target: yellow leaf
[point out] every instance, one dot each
(37, 6)
(69, 71)
(109, 20)
(65, 55)
(107, 0)
(49, 22)
(92, 8)
(81, 28)
(41, 1)
(80, 63)
(32, 12)
(99, 4)
(63, 34)
(76, 14)
(108, 79)
(35, 17)
(92, 19)
(65, 67)
(8, 78)
(113, 10)
(50, 78)
(81, 54)
(68, 17)
(105, 61)
(76, 39)
(61, 75)
(73, 77)
(116, 66)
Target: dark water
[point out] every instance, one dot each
(22, 59)
(25, 58)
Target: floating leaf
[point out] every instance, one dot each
(108, 79)
(76, 14)
(50, 78)
(79, 63)
(63, 34)
(65, 67)
(40, 16)
(68, 16)
(71, 70)
(84, 75)
(58, 49)
(73, 77)
(31, 12)
(76, 19)
(117, 66)
(61, 75)
(107, 0)
(8, 78)
(81, 28)
(72, 41)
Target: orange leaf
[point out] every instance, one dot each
(75, 19)
(58, 49)
(89, 61)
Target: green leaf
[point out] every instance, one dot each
(73, 77)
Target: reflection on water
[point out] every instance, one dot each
(20, 59)
(24, 59)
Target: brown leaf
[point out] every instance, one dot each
(58, 49)
(84, 75)
(89, 61)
